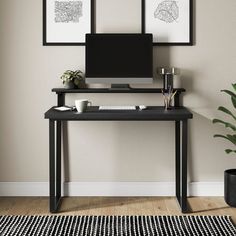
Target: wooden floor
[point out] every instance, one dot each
(116, 206)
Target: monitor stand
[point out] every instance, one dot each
(120, 86)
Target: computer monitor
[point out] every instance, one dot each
(119, 59)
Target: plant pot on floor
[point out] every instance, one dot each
(230, 187)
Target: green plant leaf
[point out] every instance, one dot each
(225, 110)
(234, 86)
(231, 139)
(233, 95)
(233, 99)
(70, 71)
(228, 151)
(229, 92)
(227, 125)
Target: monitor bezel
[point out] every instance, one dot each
(119, 79)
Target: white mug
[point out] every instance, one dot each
(81, 105)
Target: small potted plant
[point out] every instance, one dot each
(72, 79)
(229, 175)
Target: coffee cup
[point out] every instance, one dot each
(82, 104)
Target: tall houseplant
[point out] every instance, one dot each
(229, 175)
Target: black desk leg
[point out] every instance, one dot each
(58, 161)
(177, 159)
(181, 139)
(54, 166)
(184, 166)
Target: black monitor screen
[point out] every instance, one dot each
(119, 55)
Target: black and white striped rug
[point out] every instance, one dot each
(116, 225)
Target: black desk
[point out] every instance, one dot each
(155, 113)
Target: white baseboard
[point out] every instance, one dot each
(18, 189)
(206, 189)
(110, 189)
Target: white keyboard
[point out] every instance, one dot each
(117, 107)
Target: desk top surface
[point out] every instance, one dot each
(92, 113)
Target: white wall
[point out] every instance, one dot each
(112, 151)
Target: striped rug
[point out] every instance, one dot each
(116, 225)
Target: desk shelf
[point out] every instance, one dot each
(108, 90)
(62, 91)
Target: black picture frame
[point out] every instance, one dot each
(50, 43)
(188, 42)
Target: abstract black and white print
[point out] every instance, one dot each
(68, 11)
(167, 11)
(170, 21)
(66, 22)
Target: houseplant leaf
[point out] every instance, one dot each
(227, 125)
(231, 139)
(223, 109)
(234, 86)
(228, 151)
(229, 92)
(233, 96)
(233, 101)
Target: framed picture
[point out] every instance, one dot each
(169, 21)
(65, 22)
